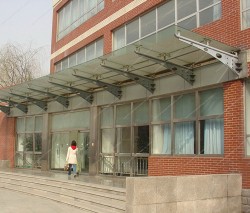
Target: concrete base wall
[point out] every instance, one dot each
(245, 200)
(184, 194)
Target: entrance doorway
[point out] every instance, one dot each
(60, 141)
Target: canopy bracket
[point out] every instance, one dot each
(83, 94)
(60, 99)
(147, 83)
(229, 59)
(5, 109)
(19, 106)
(184, 72)
(39, 103)
(113, 89)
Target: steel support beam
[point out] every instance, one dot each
(230, 60)
(147, 83)
(113, 89)
(83, 94)
(21, 107)
(5, 109)
(39, 103)
(184, 72)
(60, 99)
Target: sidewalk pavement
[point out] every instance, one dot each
(11, 201)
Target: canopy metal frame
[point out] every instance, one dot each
(229, 59)
(39, 103)
(111, 88)
(60, 99)
(88, 96)
(144, 81)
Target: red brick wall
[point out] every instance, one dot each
(234, 159)
(109, 9)
(7, 138)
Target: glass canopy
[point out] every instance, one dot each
(121, 66)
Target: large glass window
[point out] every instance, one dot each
(189, 14)
(29, 142)
(196, 126)
(124, 132)
(87, 53)
(245, 14)
(74, 13)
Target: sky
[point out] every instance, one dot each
(25, 23)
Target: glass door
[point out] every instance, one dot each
(83, 152)
(60, 143)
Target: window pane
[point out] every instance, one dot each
(72, 60)
(140, 113)
(38, 123)
(20, 125)
(141, 139)
(211, 14)
(20, 142)
(132, 31)
(99, 48)
(148, 23)
(65, 64)
(246, 4)
(119, 38)
(79, 120)
(58, 67)
(248, 145)
(107, 117)
(28, 142)
(185, 8)
(81, 56)
(161, 109)
(211, 102)
(38, 142)
(246, 19)
(189, 23)
(206, 3)
(29, 124)
(185, 106)
(108, 140)
(100, 5)
(166, 14)
(184, 138)
(123, 115)
(90, 52)
(212, 136)
(123, 136)
(161, 139)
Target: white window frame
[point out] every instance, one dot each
(241, 14)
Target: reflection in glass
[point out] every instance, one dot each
(38, 142)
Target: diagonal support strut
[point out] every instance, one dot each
(21, 107)
(83, 94)
(113, 89)
(147, 83)
(39, 103)
(60, 99)
(184, 72)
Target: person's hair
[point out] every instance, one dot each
(73, 143)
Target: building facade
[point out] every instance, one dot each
(146, 88)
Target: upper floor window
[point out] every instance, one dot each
(91, 51)
(190, 14)
(245, 14)
(75, 13)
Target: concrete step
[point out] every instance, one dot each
(90, 197)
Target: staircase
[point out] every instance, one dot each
(92, 198)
